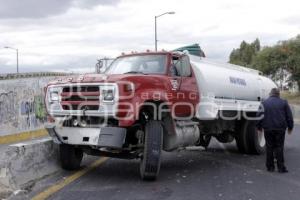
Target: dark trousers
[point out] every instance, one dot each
(274, 147)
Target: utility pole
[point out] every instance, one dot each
(155, 26)
(17, 53)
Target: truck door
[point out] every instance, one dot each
(184, 87)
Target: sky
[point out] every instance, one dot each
(70, 35)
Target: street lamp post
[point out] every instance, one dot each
(155, 25)
(17, 51)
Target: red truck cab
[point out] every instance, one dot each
(156, 80)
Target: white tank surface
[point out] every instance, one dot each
(225, 86)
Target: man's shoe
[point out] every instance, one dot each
(271, 169)
(284, 170)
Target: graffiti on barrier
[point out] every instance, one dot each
(8, 111)
(22, 106)
(40, 108)
(34, 111)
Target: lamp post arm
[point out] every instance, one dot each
(161, 14)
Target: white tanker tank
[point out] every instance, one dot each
(228, 87)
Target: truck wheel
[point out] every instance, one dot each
(248, 140)
(240, 137)
(256, 140)
(150, 162)
(204, 140)
(70, 157)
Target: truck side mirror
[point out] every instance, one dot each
(99, 66)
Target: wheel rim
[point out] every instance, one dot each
(261, 138)
(206, 138)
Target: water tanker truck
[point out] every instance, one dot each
(148, 102)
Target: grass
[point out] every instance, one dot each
(293, 98)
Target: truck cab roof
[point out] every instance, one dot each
(175, 53)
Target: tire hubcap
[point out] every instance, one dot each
(261, 139)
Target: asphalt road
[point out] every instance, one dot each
(218, 173)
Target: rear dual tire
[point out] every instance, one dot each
(248, 139)
(204, 141)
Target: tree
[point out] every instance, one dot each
(244, 55)
(292, 48)
(273, 60)
(256, 45)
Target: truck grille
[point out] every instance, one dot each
(80, 98)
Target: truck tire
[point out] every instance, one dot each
(204, 140)
(248, 140)
(257, 141)
(225, 138)
(150, 162)
(70, 157)
(240, 137)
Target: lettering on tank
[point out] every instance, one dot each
(237, 81)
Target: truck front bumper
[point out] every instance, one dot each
(113, 137)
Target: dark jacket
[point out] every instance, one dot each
(275, 114)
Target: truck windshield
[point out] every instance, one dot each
(144, 64)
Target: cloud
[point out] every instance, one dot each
(44, 8)
(42, 63)
(90, 3)
(72, 34)
(292, 20)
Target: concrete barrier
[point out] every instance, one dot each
(32, 74)
(22, 117)
(23, 163)
(22, 105)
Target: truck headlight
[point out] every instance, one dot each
(108, 95)
(54, 96)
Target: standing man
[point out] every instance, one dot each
(275, 118)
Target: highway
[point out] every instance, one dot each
(218, 173)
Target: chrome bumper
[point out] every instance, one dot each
(113, 137)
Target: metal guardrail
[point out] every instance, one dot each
(31, 75)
